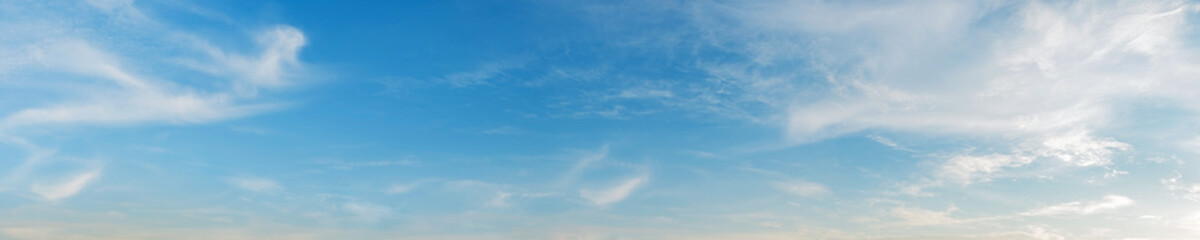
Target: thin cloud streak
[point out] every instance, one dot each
(67, 188)
(616, 193)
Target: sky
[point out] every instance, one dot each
(582, 119)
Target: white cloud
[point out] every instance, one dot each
(1040, 84)
(106, 62)
(966, 168)
(615, 193)
(97, 81)
(1110, 202)
(1055, 71)
(888, 142)
(1077, 148)
(801, 188)
(255, 184)
(67, 188)
(272, 68)
(1181, 189)
(500, 200)
(586, 160)
(137, 99)
(1080, 148)
(1041, 79)
(36, 156)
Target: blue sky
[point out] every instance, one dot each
(529, 119)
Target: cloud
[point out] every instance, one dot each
(136, 99)
(586, 160)
(615, 193)
(500, 200)
(1044, 86)
(1110, 202)
(1026, 84)
(41, 162)
(67, 188)
(1073, 149)
(107, 62)
(887, 142)
(255, 184)
(1181, 189)
(1044, 76)
(98, 81)
(276, 63)
(967, 168)
(36, 156)
(801, 188)
(1040, 82)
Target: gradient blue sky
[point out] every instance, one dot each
(532, 119)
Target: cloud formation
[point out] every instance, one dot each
(1109, 202)
(67, 188)
(1054, 71)
(616, 193)
(1027, 83)
(102, 82)
(109, 63)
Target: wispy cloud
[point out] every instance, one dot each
(500, 199)
(67, 188)
(36, 156)
(586, 160)
(1043, 87)
(1182, 189)
(110, 85)
(616, 193)
(985, 98)
(966, 169)
(1073, 149)
(1110, 202)
(889, 143)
